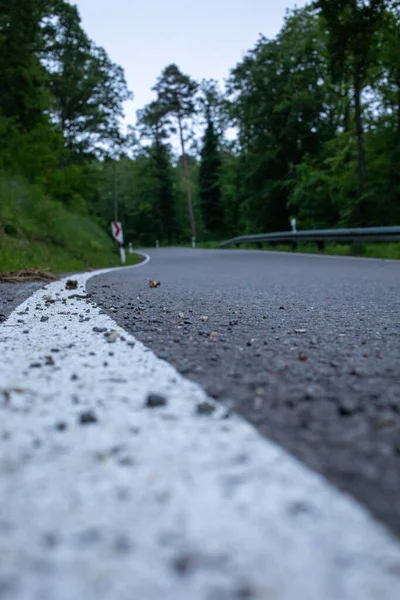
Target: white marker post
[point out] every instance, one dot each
(293, 224)
(116, 229)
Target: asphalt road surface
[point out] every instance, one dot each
(13, 294)
(122, 479)
(306, 348)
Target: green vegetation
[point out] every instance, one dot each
(40, 232)
(307, 126)
(16, 254)
(387, 251)
(380, 250)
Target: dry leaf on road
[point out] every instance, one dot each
(153, 283)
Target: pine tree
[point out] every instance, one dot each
(210, 192)
(165, 197)
(152, 123)
(176, 97)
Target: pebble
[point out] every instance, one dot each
(44, 319)
(155, 400)
(111, 337)
(87, 417)
(61, 426)
(348, 407)
(205, 408)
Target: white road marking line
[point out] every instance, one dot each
(150, 503)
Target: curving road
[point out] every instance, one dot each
(307, 348)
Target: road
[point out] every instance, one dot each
(121, 478)
(306, 348)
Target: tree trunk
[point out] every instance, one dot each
(360, 136)
(115, 191)
(361, 207)
(187, 180)
(394, 169)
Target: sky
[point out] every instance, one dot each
(206, 39)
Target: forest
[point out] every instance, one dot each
(306, 125)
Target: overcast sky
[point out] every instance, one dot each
(205, 38)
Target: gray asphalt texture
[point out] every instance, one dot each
(13, 294)
(307, 348)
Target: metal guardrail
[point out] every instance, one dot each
(320, 236)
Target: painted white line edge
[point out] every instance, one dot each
(156, 503)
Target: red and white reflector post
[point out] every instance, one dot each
(116, 229)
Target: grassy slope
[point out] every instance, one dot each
(16, 254)
(36, 231)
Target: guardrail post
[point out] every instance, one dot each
(321, 245)
(294, 246)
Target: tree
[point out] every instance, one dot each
(23, 96)
(388, 84)
(88, 89)
(214, 105)
(176, 97)
(210, 191)
(352, 26)
(152, 124)
(281, 107)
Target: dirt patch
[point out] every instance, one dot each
(27, 275)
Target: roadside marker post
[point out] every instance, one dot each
(122, 254)
(117, 233)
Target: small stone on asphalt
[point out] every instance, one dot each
(155, 400)
(87, 417)
(205, 408)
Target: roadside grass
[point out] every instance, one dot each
(36, 231)
(378, 250)
(16, 254)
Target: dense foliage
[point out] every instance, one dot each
(308, 125)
